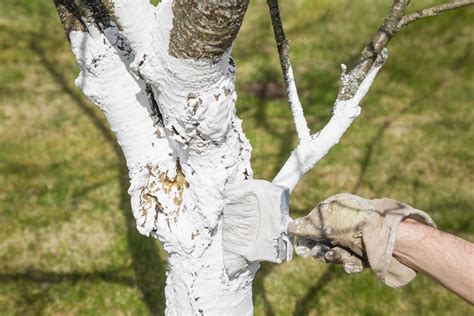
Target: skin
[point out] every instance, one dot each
(446, 258)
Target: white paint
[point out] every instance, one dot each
(136, 19)
(302, 129)
(255, 224)
(106, 79)
(311, 150)
(212, 154)
(197, 101)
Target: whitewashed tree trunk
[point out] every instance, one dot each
(164, 78)
(168, 93)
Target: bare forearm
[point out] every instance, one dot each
(444, 257)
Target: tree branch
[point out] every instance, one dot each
(353, 78)
(76, 14)
(70, 17)
(135, 21)
(104, 58)
(433, 11)
(312, 150)
(205, 29)
(354, 84)
(283, 51)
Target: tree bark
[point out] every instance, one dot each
(164, 79)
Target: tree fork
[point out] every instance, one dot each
(354, 84)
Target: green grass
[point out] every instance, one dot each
(67, 240)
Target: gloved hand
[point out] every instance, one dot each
(358, 233)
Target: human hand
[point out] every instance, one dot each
(357, 232)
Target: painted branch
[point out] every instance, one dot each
(105, 79)
(351, 92)
(353, 86)
(311, 151)
(283, 51)
(433, 11)
(350, 83)
(135, 20)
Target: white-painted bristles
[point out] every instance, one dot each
(255, 222)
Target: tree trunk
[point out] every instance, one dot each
(164, 79)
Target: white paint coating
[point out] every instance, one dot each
(311, 150)
(302, 129)
(197, 100)
(105, 79)
(137, 23)
(179, 203)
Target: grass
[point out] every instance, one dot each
(67, 240)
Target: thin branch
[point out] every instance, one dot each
(393, 22)
(433, 11)
(283, 51)
(310, 151)
(354, 85)
(379, 41)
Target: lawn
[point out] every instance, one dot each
(68, 244)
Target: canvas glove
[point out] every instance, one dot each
(357, 233)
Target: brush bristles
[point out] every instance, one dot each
(255, 220)
(240, 229)
(234, 263)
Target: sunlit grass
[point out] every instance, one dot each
(67, 241)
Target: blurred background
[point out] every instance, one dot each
(68, 244)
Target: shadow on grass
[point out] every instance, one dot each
(38, 276)
(305, 304)
(146, 261)
(367, 158)
(259, 287)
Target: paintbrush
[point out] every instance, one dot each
(255, 222)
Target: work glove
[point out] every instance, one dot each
(357, 233)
